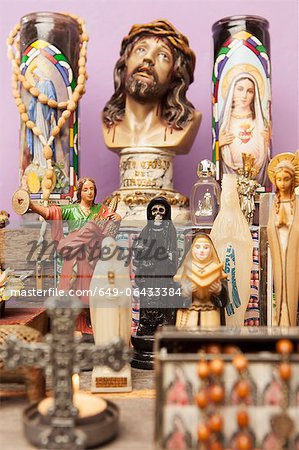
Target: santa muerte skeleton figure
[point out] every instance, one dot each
(155, 254)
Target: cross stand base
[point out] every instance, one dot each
(96, 430)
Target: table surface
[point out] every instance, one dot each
(136, 428)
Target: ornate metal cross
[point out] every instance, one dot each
(62, 355)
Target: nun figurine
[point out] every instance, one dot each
(201, 277)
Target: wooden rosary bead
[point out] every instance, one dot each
(75, 96)
(61, 105)
(242, 419)
(21, 108)
(84, 37)
(46, 194)
(36, 131)
(66, 114)
(230, 350)
(34, 91)
(285, 371)
(61, 122)
(82, 61)
(202, 399)
(217, 367)
(30, 124)
(71, 106)
(81, 79)
(216, 423)
(43, 98)
(243, 442)
(56, 130)
(203, 432)
(10, 55)
(243, 389)
(216, 445)
(79, 88)
(49, 173)
(217, 393)
(47, 183)
(284, 346)
(47, 152)
(18, 101)
(52, 103)
(26, 85)
(213, 348)
(25, 117)
(240, 362)
(202, 369)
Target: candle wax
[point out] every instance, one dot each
(88, 405)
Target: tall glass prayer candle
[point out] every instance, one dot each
(49, 51)
(241, 94)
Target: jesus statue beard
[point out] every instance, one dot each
(144, 90)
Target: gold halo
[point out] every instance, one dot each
(287, 156)
(236, 70)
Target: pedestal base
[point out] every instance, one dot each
(144, 356)
(104, 379)
(97, 431)
(132, 206)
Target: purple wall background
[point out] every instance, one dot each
(107, 22)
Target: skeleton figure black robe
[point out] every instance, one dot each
(155, 258)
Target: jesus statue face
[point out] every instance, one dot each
(149, 68)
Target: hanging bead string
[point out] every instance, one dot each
(244, 440)
(68, 107)
(209, 398)
(283, 425)
(216, 423)
(202, 401)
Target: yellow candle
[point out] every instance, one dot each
(88, 405)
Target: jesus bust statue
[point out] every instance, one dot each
(149, 107)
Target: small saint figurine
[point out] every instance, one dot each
(155, 258)
(4, 218)
(149, 107)
(110, 313)
(283, 236)
(201, 277)
(247, 186)
(88, 224)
